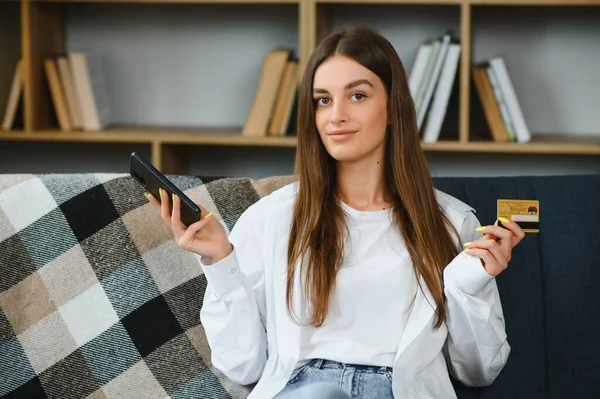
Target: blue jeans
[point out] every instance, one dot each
(325, 379)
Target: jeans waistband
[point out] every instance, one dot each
(318, 363)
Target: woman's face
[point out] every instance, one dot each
(350, 110)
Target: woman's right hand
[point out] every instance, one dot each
(206, 237)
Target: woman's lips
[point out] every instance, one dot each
(341, 134)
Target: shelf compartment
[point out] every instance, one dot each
(551, 57)
(164, 65)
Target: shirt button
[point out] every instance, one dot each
(233, 271)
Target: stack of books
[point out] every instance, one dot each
(499, 101)
(274, 108)
(77, 86)
(433, 83)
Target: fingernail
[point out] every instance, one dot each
(160, 192)
(467, 250)
(466, 244)
(207, 215)
(503, 220)
(173, 197)
(146, 195)
(480, 229)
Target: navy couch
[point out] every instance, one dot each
(75, 244)
(549, 293)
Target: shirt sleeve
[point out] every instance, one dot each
(233, 312)
(476, 348)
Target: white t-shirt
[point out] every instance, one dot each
(369, 308)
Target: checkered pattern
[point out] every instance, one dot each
(96, 299)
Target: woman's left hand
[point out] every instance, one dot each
(495, 247)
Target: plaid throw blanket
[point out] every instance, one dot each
(96, 298)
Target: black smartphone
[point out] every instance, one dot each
(152, 179)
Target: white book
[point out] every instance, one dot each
(68, 84)
(442, 94)
(417, 73)
(427, 73)
(90, 86)
(433, 80)
(491, 73)
(512, 103)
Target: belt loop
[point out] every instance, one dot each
(318, 363)
(384, 369)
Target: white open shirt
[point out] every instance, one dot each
(253, 339)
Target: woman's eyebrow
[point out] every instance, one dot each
(347, 87)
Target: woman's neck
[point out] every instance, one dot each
(361, 185)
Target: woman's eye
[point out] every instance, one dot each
(322, 101)
(358, 96)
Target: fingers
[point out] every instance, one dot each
(176, 224)
(172, 217)
(155, 203)
(186, 240)
(495, 247)
(507, 238)
(491, 264)
(514, 228)
(501, 255)
(165, 208)
(491, 236)
(204, 212)
(160, 206)
(508, 229)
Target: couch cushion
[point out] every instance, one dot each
(95, 295)
(520, 288)
(570, 254)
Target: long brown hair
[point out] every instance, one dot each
(318, 227)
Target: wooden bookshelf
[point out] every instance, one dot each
(42, 33)
(542, 144)
(174, 1)
(141, 134)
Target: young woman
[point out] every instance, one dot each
(355, 274)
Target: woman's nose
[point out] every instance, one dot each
(339, 113)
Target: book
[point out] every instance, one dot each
(59, 100)
(285, 100)
(418, 69)
(497, 90)
(265, 97)
(91, 89)
(489, 104)
(14, 98)
(512, 103)
(432, 79)
(68, 85)
(443, 91)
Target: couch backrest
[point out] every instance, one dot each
(95, 296)
(97, 299)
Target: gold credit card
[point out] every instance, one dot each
(526, 213)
